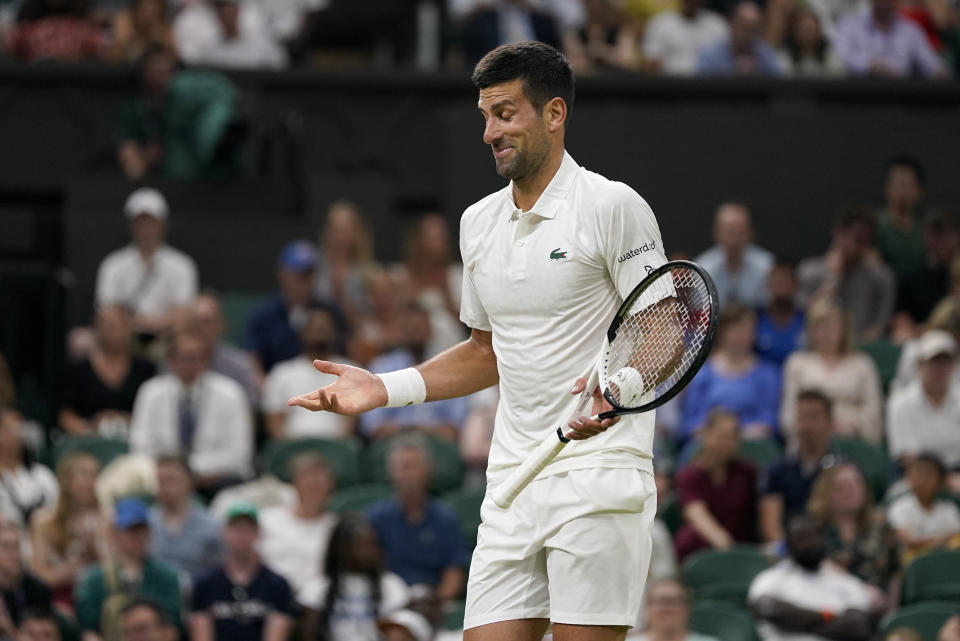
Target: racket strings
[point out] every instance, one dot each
(660, 339)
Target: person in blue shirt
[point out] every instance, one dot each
(746, 52)
(780, 325)
(734, 379)
(420, 537)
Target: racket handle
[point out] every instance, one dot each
(504, 493)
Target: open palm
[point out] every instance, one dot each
(354, 392)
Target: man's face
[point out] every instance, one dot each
(173, 485)
(746, 24)
(416, 328)
(925, 480)
(143, 624)
(147, 231)
(113, 326)
(783, 284)
(944, 246)
(813, 422)
(409, 470)
(229, 15)
(38, 630)
(854, 241)
(314, 485)
(732, 229)
(158, 73)
(805, 544)
(296, 286)
(188, 359)
(937, 373)
(667, 607)
(515, 130)
(902, 187)
(208, 319)
(722, 439)
(319, 334)
(134, 541)
(240, 535)
(11, 563)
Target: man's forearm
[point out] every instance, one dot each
(463, 369)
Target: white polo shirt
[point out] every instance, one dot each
(915, 426)
(149, 288)
(547, 283)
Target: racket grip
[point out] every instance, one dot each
(504, 493)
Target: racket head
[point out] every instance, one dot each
(676, 357)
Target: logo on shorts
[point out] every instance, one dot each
(639, 250)
(556, 254)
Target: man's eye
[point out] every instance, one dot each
(506, 117)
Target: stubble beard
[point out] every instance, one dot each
(526, 163)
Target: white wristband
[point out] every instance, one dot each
(404, 387)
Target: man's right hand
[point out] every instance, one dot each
(354, 392)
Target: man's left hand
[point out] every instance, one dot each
(585, 427)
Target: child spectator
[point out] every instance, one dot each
(924, 520)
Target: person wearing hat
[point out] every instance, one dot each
(227, 34)
(405, 625)
(924, 415)
(147, 276)
(129, 573)
(243, 600)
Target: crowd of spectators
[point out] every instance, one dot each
(818, 38)
(194, 531)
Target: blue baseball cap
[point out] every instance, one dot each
(129, 513)
(299, 256)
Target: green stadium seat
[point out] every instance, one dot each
(925, 618)
(67, 625)
(723, 575)
(760, 451)
(104, 449)
(466, 505)
(885, 356)
(447, 465)
(870, 458)
(236, 308)
(359, 497)
(935, 576)
(720, 620)
(453, 615)
(343, 457)
(671, 514)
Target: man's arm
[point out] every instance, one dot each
(771, 518)
(701, 520)
(451, 583)
(277, 628)
(201, 627)
(849, 625)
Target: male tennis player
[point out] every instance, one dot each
(547, 261)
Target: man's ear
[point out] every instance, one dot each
(555, 114)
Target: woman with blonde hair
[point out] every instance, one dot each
(345, 259)
(830, 365)
(857, 535)
(67, 538)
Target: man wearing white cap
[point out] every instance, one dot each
(924, 416)
(147, 276)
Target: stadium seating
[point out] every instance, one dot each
(761, 451)
(669, 512)
(720, 620)
(466, 504)
(343, 457)
(871, 460)
(885, 356)
(453, 615)
(723, 575)
(925, 618)
(445, 457)
(359, 497)
(934, 576)
(236, 308)
(104, 449)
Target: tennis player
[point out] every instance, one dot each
(547, 261)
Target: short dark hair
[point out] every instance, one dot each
(817, 396)
(545, 72)
(178, 460)
(932, 460)
(906, 161)
(850, 215)
(162, 617)
(40, 614)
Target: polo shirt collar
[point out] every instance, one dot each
(554, 195)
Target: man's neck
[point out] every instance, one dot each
(414, 506)
(527, 191)
(146, 251)
(734, 258)
(781, 311)
(241, 568)
(303, 511)
(935, 397)
(811, 454)
(177, 512)
(131, 566)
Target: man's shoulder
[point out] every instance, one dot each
(210, 580)
(443, 515)
(177, 259)
(605, 192)
(907, 397)
(119, 258)
(156, 385)
(386, 509)
(224, 385)
(486, 206)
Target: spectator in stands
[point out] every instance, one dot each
(831, 365)
(294, 540)
(273, 327)
(421, 538)
(879, 41)
(140, 26)
(735, 379)
(780, 325)
(899, 234)
(923, 416)
(441, 418)
(806, 50)
(739, 268)
(182, 533)
(945, 317)
(607, 40)
(717, 491)
(410, 625)
(197, 413)
(56, 30)
(242, 600)
(355, 589)
(146, 620)
(20, 591)
(924, 519)
(673, 39)
(345, 259)
(101, 388)
(289, 378)
(950, 630)
(25, 486)
(289, 20)
(126, 573)
(857, 536)
(381, 329)
(225, 359)
(851, 274)
(926, 285)
(746, 52)
(786, 488)
(804, 595)
(39, 625)
(68, 537)
(666, 614)
(147, 276)
(227, 33)
(183, 125)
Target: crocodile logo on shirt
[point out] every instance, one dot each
(556, 254)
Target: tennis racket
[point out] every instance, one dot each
(657, 341)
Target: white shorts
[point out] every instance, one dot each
(573, 548)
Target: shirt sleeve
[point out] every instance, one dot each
(925, 57)
(202, 596)
(395, 593)
(765, 584)
(106, 289)
(901, 438)
(897, 515)
(281, 597)
(472, 312)
(632, 243)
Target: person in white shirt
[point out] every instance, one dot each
(922, 519)
(196, 413)
(318, 339)
(673, 39)
(294, 539)
(24, 487)
(147, 276)
(807, 598)
(739, 268)
(227, 33)
(547, 260)
(925, 414)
